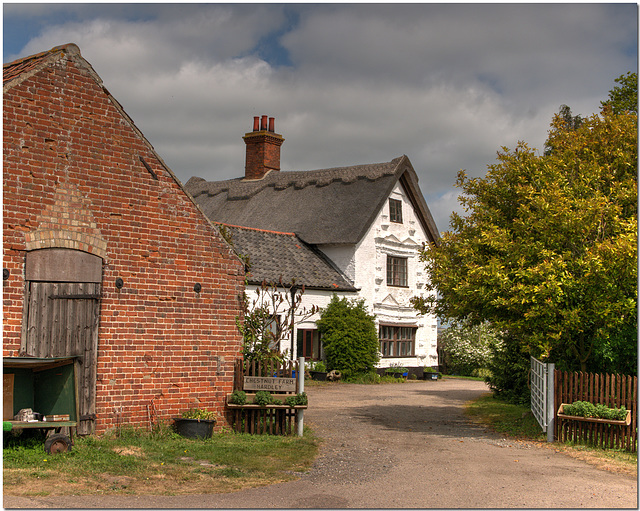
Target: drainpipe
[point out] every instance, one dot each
(293, 317)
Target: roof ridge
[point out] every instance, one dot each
(241, 189)
(255, 229)
(20, 69)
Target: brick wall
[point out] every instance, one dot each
(73, 177)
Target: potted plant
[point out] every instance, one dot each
(397, 372)
(196, 423)
(430, 373)
(318, 371)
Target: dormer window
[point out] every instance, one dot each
(395, 211)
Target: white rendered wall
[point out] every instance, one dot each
(366, 264)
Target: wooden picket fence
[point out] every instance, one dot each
(274, 419)
(612, 390)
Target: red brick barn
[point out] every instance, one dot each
(106, 258)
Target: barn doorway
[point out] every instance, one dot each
(61, 317)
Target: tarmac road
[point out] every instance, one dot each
(405, 446)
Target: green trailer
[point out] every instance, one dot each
(48, 386)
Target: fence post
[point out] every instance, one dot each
(300, 412)
(550, 398)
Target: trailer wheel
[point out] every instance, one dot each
(57, 443)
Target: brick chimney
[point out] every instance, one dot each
(263, 148)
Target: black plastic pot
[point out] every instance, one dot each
(430, 376)
(318, 375)
(194, 428)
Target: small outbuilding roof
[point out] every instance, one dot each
(274, 256)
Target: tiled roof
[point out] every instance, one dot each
(274, 256)
(25, 65)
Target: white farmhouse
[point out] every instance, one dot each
(355, 231)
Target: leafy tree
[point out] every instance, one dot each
(571, 122)
(467, 348)
(624, 98)
(547, 251)
(349, 337)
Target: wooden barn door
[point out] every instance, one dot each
(62, 317)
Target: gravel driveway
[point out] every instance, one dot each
(406, 446)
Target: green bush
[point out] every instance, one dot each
(509, 368)
(349, 337)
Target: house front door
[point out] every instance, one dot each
(309, 345)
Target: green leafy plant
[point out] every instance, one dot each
(238, 397)
(263, 398)
(393, 370)
(200, 414)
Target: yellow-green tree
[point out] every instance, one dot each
(547, 248)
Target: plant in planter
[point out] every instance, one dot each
(297, 400)
(263, 398)
(398, 372)
(200, 414)
(589, 410)
(238, 397)
(196, 423)
(430, 373)
(317, 371)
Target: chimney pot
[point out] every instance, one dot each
(264, 123)
(256, 123)
(272, 124)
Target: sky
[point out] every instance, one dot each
(448, 85)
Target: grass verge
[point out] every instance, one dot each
(160, 463)
(518, 422)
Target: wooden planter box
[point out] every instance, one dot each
(561, 415)
(250, 406)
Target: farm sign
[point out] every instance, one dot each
(270, 384)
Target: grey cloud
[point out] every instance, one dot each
(447, 85)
